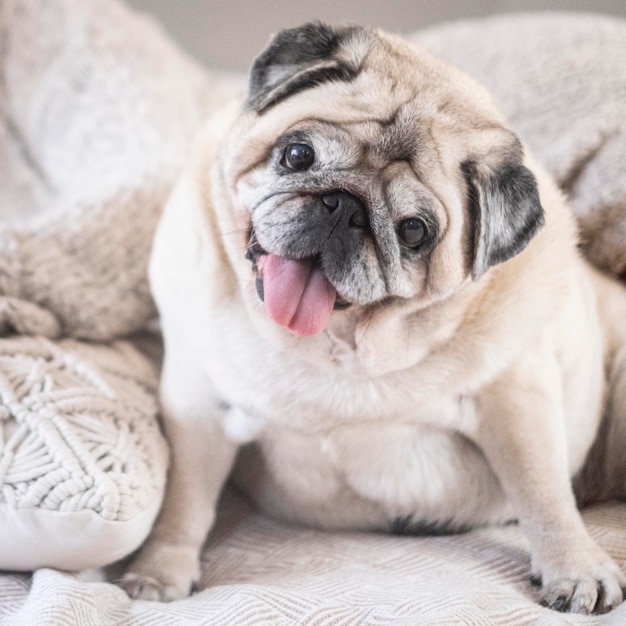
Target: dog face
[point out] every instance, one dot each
(362, 172)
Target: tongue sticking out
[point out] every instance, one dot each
(296, 293)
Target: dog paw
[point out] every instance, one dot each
(599, 592)
(161, 572)
(139, 587)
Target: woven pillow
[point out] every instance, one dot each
(82, 461)
(97, 113)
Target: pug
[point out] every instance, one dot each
(371, 291)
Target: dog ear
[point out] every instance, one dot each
(505, 210)
(302, 57)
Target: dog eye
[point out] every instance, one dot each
(412, 232)
(298, 156)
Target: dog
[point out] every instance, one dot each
(373, 297)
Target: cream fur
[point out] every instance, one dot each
(476, 407)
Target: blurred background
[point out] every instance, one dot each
(229, 35)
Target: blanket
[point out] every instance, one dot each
(98, 110)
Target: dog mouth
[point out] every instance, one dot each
(296, 292)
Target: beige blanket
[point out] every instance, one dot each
(256, 571)
(79, 81)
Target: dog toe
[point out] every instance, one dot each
(584, 596)
(558, 594)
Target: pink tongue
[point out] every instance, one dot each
(296, 293)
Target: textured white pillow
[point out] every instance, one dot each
(97, 114)
(82, 459)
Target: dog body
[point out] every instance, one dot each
(412, 343)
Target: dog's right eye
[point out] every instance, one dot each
(412, 232)
(298, 157)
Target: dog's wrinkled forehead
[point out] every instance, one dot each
(365, 84)
(398, 137)
(360, 74)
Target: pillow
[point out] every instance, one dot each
(82, 459)
(97, 114)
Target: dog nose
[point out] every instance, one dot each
(351, 208)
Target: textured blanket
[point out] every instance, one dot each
(258, 572)
(97, 112)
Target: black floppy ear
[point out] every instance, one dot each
(505, 211)
(302, 57)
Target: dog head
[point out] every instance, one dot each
(364, 171)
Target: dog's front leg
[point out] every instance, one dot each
(201, 458)
(522, 431)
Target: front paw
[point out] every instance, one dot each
(595, 588)
(162, 572)
(142, 587)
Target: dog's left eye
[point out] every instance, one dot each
(412, 232)
(298, 156)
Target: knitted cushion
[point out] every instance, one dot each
(82, 461)
(97, 113)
